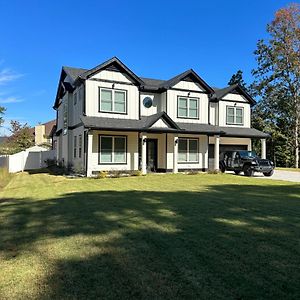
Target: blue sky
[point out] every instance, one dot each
(156, 39)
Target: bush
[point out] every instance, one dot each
(50, 162)
(136, 173)
(102, 174)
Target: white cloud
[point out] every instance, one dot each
(10, 100)
(7, 75)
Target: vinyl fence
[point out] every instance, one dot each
(26, 160)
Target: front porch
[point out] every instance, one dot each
(145, 151)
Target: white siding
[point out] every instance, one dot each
(202, 152)
(188, 85)
(214, 112)
(222, 111)
(160, 124)
(172, 96)
(111, 75)
(235, 97)
(92, 100)
(231, 141)
(155, 108)
(132, 153)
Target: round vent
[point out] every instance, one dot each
(147, 102)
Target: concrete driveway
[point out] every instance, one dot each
(282, 175)
(278, 175)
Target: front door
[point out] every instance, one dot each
(152, 155)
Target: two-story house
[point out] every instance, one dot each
(108, 118)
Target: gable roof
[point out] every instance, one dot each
(220, 93)
(190, 75)
(74, 72)
(114, 63)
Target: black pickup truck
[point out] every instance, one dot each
(245, 161)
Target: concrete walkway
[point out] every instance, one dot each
(281, 175)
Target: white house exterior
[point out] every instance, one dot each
(108, 118)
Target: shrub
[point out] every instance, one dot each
(102, 174)
(136, 173)
(50, 162)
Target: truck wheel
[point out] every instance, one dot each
(248, 171)
(237, 172)
(269, 174)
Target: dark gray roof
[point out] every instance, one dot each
(243, 132)
(152, 84)
(145, 123)
(220, 93)
(74, 72)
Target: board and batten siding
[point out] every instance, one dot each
(131, 155)
(172, 96)
(202, 152)
(92, 95)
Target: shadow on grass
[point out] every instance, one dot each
(233, 242)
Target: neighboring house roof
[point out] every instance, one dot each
(48, 127)
(220, 93)
(74, 72)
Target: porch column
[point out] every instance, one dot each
(144, 153)
(263, 149)
(249, 148)
(89, 153)
(175, 155)
(217, 152)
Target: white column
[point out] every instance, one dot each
(144, 153)
(175, 155)
(217, 152)
(89, 153)
(250, 145)
(263, 149)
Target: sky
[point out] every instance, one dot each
(156, 39)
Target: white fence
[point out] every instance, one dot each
(26, 160)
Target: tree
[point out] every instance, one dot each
(21, 137)
(277, 77)
(238, 78)
(2, 110)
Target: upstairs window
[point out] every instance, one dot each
(234, 115)
(188, 107)
(187, 150)
(113, 101)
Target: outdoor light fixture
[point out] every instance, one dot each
(144, 141)
(176, 142)
(113, 86)
(189, 93)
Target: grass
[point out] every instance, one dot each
(5, 177)
(154, 237)
(289, 169)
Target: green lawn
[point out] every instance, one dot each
(153, 237)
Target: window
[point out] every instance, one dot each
(75, 146)
(75, 98)
(112, 149)
(79, 145)
(188, 107)
(65, 117)
(112, 101)
(235, 115)
(187, 150)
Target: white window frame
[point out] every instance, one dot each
(188, 107)
(234, 115)
(113, 150)
(188, 151)
(113, 111)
